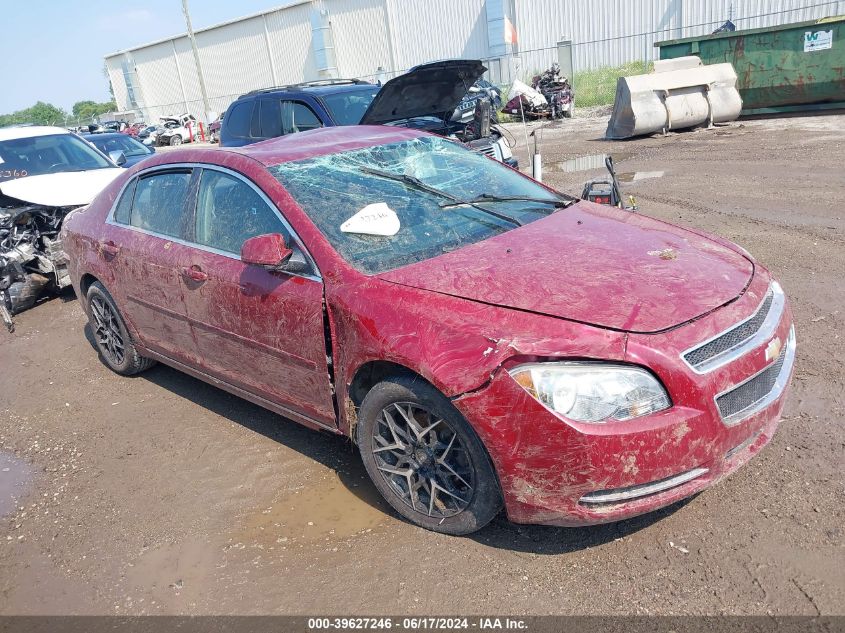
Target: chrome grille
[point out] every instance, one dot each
(759, 390)
(742, 337)
(730, 339)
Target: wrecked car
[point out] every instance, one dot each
(176, 130)
(45, 172)
(437, 97)
(485, 341)
(427, 97)
(481, 89)
(550, 95)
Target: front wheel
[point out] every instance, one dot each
(175, 140)
(425, 458)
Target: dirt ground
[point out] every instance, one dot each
(160, 494)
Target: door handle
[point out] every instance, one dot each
(195, 273)
(109, 248)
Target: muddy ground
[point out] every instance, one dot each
(160, 494)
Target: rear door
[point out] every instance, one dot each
(144, 243)
(257, 329)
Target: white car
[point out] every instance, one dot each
(45, 173)
(177, 129)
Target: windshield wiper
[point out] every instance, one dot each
(416, 183)
(487, 197)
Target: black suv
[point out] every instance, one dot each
(272, 112)
(426, 97)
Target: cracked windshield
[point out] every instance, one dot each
(391, 205)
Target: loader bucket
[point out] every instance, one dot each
(680, 93)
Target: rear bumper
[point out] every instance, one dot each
(555, 471)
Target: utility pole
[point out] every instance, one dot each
(207, 108)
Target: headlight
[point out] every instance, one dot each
(593, 392)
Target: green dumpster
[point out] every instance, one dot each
(782, 68)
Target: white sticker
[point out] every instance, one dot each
(818, 40)
(374, 219)
(1, 160)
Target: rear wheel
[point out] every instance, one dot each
(425, 459)
(110, 334)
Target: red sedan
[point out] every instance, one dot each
(484, 340)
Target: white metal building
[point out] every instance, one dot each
(377, 39)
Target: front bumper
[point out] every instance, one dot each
(560, 472)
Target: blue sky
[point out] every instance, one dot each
(52, 50)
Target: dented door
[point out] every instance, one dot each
(257, 329)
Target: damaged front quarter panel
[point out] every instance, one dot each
(456, 344)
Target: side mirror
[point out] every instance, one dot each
(265, 250)
(118, 157)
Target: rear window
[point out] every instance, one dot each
(159, 203)
(238, 122)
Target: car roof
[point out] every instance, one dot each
(317, 90)
(299, 146)
(28, 131)
(323, 141)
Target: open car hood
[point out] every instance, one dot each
(62, 189)
(593, 264)
(433, 90)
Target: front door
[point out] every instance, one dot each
(257, 329)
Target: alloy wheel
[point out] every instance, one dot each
(423, 460)
(107, 330)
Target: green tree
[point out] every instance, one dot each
(81, 108)
(84, 110)
(40, 114)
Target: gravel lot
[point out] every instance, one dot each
(160, 494)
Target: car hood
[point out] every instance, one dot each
(433, 89)
(62, 189)
(592, 264)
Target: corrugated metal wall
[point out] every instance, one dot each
(276, 48)
(612, 32)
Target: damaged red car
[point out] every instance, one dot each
(485, 341)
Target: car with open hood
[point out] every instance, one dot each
(45, 173)
(429, 97)
(485, 341)
(176, 130)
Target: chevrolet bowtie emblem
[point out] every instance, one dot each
(773, 349)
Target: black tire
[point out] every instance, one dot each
(110, 334)
(175, 140)
(476, 486)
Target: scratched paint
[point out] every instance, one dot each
(578, 284)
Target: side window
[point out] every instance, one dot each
(124, 206)
(159, 203)
(298, 117)
(271, 118)
(229, 212)
(238, 122)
